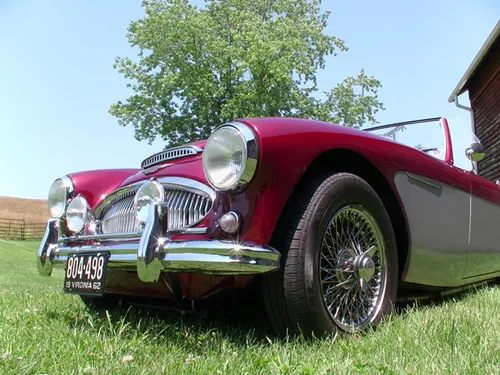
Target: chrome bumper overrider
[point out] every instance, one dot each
(150, 252)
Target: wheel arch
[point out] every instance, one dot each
(349, 161)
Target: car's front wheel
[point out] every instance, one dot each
(339, 260)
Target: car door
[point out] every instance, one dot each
(484, 245)
(437, 203)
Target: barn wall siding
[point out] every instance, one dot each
(484, 92)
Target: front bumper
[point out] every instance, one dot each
(151, 251)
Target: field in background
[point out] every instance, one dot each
(44, 331)
(29, 210)
(22, 219)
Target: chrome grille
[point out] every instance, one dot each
(185, 209)
(120, 218)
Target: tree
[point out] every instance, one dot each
(200, 67)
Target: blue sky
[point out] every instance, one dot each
(57, 80)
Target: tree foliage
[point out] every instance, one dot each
(200, 67)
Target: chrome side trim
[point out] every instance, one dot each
(424, 180)
(170, 154)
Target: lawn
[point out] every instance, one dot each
(43, 331)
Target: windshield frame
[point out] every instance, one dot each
(448, 152)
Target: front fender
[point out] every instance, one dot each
(97, 184)
(288, 146)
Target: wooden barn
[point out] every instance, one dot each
(482, 81)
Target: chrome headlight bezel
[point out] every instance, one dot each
(81, 211)
(250, 151)
(141, 201)
(66, 189)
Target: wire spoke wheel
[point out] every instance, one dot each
(339, 266)
(353, 268)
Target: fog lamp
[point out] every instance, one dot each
(230, 222)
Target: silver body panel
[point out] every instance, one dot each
(454, 235)
(484, 248)
(438, 218)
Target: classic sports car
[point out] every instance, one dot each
(329, 223)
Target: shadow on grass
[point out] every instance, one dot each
(436, 300)
(194, 332)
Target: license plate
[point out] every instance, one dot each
(86, 273)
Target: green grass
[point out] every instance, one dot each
(43, 331)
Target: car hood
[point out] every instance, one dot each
(187, 167)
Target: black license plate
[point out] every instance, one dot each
(86, 273)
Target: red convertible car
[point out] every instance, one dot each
(330, 224)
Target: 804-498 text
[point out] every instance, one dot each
(92, 269)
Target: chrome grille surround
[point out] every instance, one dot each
(120, 217)
(188, 202)
(170, 154)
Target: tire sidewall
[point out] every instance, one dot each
(340, 193)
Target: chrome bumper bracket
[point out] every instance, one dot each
(149, 265)
(47, 247)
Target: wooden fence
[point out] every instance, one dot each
(14, 229)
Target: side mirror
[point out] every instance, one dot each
(475, 152)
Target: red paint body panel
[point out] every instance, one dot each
(189, 167)
(97, 184)
(485, 189)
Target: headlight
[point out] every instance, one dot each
(58, 196)
(150, 192)
(230, 156)
(77, 214)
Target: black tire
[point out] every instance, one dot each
(293, 295)
(101, 303)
